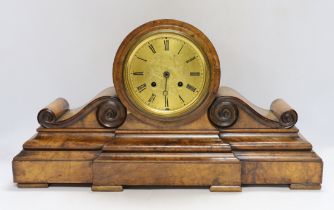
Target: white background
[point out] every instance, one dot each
(268, 49)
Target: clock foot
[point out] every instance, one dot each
(107, 188)
(305, 186)
(32, 185)
(225, 189)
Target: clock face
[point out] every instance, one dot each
(166, 74)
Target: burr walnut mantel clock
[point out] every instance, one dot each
(167, 122)
(166, 73)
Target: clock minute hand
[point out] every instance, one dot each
(166, 74)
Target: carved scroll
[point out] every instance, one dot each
(287, 116)
(52, 112)
(105, 110)
(225, 112)
(111, 113)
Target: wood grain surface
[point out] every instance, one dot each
(255, 149)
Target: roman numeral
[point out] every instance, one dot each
(141, 58)
(166, 43)
(181, 99)
(152, 48)
(166, 103)
(193, 74)
(190, 59)
(151, 99)
(142, 87)
(180, 49)
(138, 73)
(190, 87)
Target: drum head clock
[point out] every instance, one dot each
(166, 72)
(166, 122)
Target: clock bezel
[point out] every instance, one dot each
(187, 30)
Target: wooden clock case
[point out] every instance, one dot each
(226, 143)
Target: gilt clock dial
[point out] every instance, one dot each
(166, 74)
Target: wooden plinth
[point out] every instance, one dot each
(219, 171)
(85, 146)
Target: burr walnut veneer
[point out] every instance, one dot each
(253, 146)
(184, 135)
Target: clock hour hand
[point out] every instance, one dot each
(166, 74)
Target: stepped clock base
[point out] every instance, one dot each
(225, 172)
(249, 146)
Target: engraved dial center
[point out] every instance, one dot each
(166, 74)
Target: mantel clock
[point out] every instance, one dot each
(167, 122)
